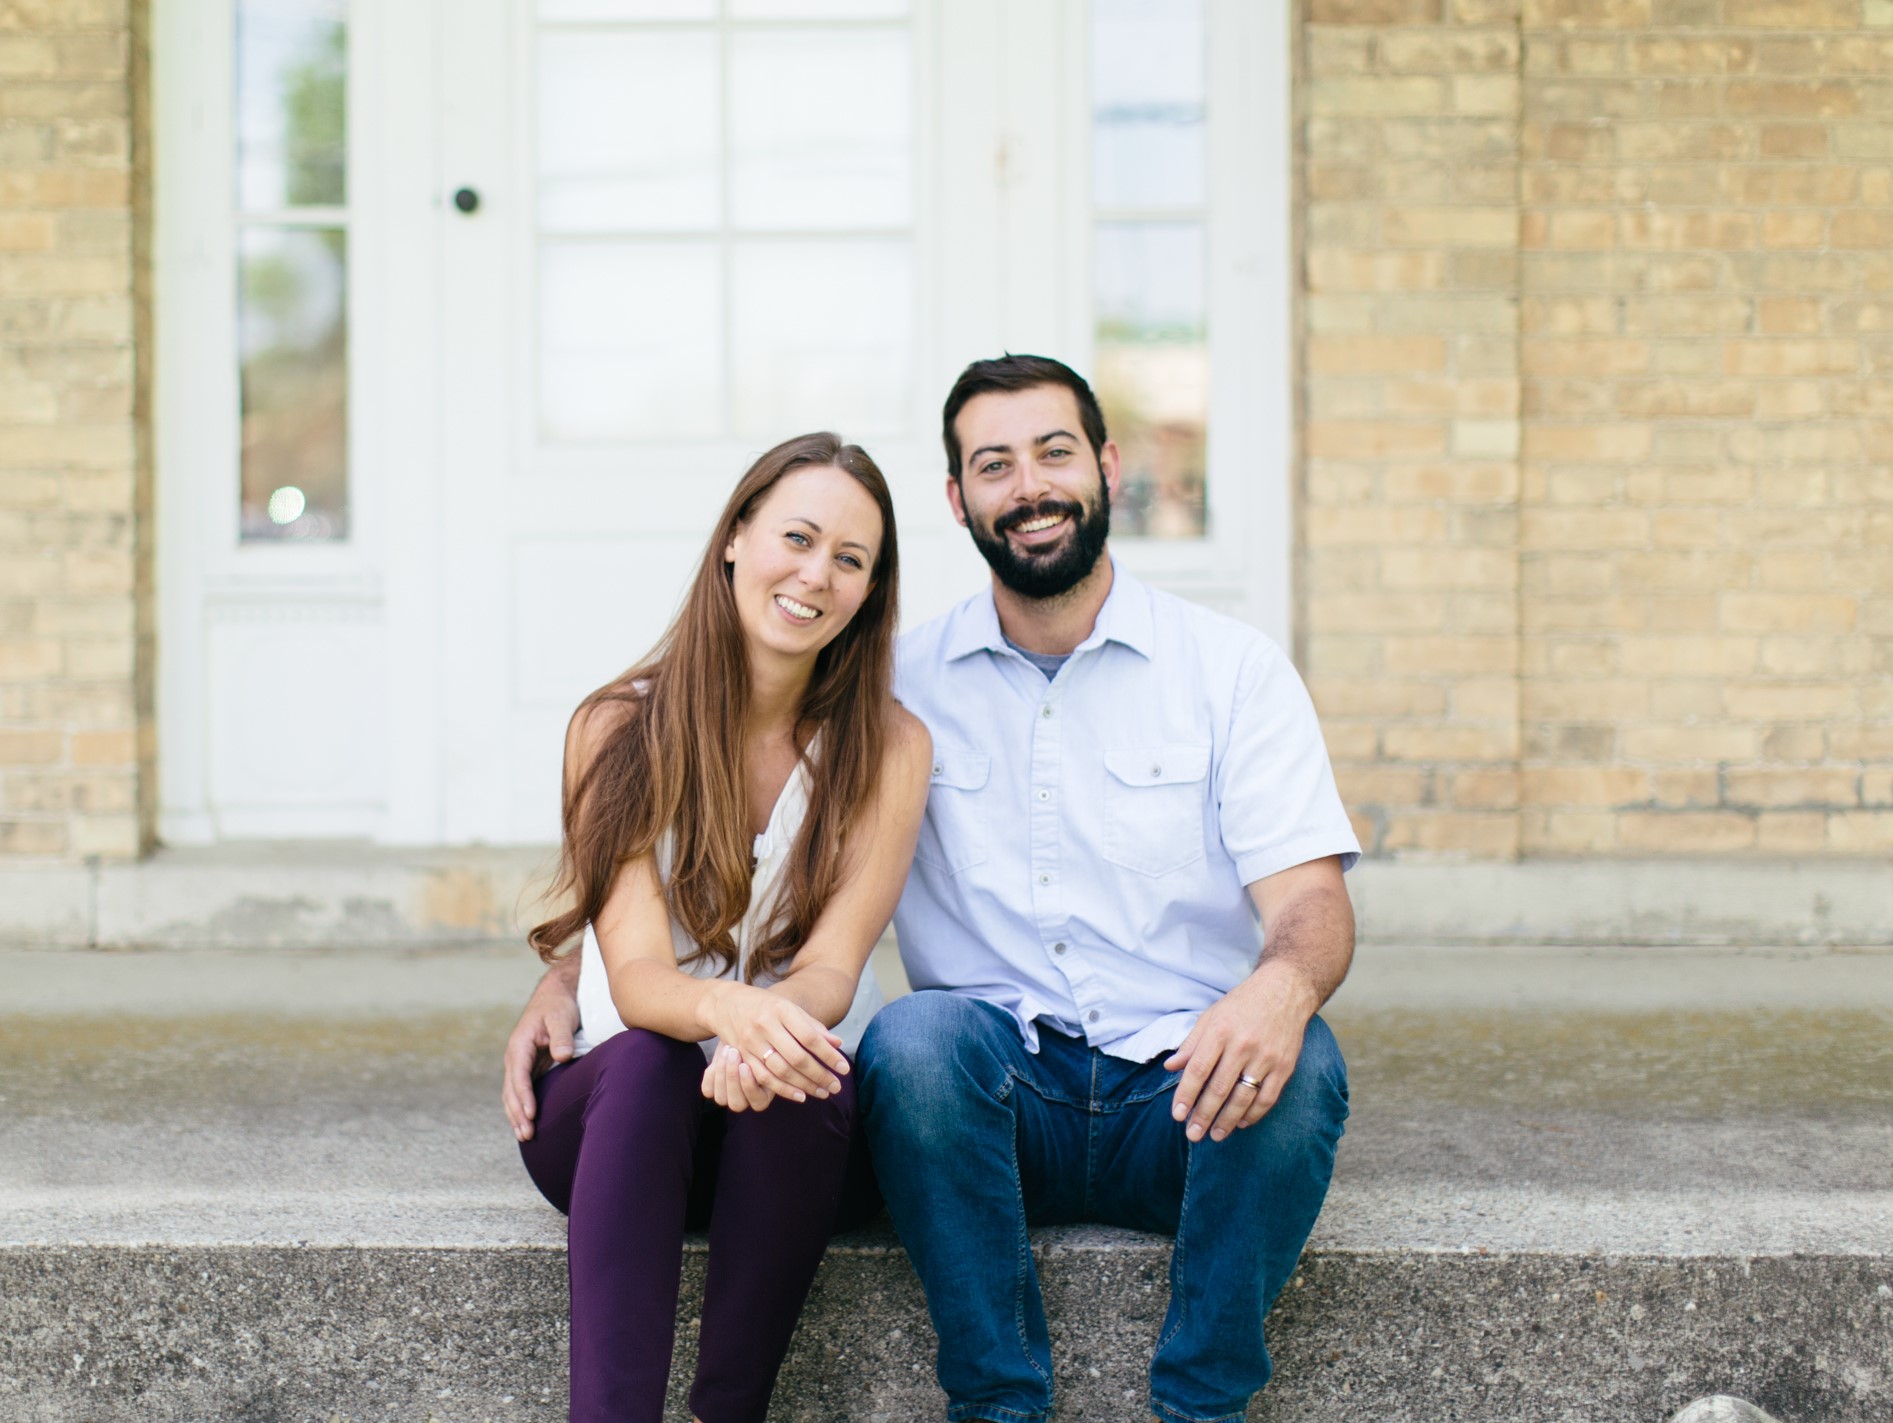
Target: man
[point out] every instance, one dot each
(1123, 783)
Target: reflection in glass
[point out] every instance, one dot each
(292, 339)
(819, 129)
(628, 129)
(630, 343)
(823, 336)
(1149, 88)
(1151, 360)
(292, 103)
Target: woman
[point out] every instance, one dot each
(740, 809)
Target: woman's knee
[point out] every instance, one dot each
(638, 1061)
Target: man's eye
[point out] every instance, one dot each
(1057, 454)
(993, 467)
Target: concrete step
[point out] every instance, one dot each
(1585, 1185)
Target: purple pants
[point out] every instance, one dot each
(628, 1147)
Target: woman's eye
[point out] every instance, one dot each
(799, 540)
(851, 560)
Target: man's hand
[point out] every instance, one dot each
(550, 1020)
(1252, 1032)
(1242, 1051)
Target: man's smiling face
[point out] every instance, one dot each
(1031, 490)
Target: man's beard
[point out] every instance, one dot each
(1062, 566)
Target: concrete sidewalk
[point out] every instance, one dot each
(1584, 1184)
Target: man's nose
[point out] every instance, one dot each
(1032, 485)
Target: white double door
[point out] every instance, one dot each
(825, 221)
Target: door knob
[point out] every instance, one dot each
(466, 199)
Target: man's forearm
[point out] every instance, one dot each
(1312, 937)
(562, 973)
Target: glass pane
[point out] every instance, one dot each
(819, 129)
(292, 339)
(630, 341)
(557, 10)
(1148, 88)
(1152, 370)
(292, 103)
(817, 9)
(823, 336)
(628, 132)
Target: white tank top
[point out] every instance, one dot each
(598, 1015)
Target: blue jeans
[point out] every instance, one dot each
(974, 1139)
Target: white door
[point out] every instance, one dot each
(700, 226)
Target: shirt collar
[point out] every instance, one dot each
(1125, 618)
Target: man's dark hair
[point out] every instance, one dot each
(1011, 372)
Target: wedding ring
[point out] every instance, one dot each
(767, 1053)
(1247, 1081)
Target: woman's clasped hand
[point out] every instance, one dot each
(769, 1047)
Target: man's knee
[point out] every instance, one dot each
(1314, 1103)
(924, 1049)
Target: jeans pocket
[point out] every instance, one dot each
(953, 834)
(1154, 807)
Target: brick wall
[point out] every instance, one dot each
(1696, 521)
(1706, 534)
(74, 698)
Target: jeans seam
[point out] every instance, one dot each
(1091, 1137)
(1176, 1251)
(1022, 1271)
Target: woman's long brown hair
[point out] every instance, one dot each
(674, 755)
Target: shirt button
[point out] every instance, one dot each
(1058, 948)
(1092, 1016)
(1045, 795)
(938, 768)
(1045, 879)
(1156, 770)
(1045, 710)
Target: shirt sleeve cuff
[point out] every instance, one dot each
(1260, 864)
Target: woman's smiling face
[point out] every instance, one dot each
(803, 563)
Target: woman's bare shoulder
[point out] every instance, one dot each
(908, 740)
(598, 718)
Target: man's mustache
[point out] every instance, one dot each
(1011, 520)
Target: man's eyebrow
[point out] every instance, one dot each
(845, 543)
(1007, 449)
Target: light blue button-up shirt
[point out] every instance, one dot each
(1088, 839)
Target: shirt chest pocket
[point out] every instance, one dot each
(1154, 799)
(953, 836)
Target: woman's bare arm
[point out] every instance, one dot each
(828, 966)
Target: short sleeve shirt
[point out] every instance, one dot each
(1088, 839)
